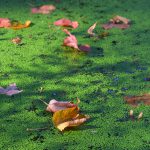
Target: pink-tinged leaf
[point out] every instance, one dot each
(10, 90)
(45, 9)
(90, 30)
(55, 105)
(117, 22)
(71, 40)
(66, 23)
(120, 19)
(16, 40)
(5, 22)
(111, 25)
(85, 48)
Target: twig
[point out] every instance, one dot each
(44, 102)
(37, 129)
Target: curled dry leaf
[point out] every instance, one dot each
(55, 105)
(5, 23)
(135, 100)
(10, 90)
(66, 23)
(45, 9)
(72, 42)
(16, 25)
(69, 117)
(16, 40)
(119, 19)
(117, 22)
(140, 115)
(90, 30)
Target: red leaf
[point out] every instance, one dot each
(45, 9)
(66, 23)
(71, 40)
(5, 22)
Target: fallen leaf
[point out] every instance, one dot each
(10, 90)
(55, 105)
(16, 40)
(90, 30)
(120, 19)
(45, 9)
(117, 22)
(66, 23)
(5, 23)
(16, 25)
(85, 48)
(131, 115)
(140, 115)
(135, 100)
(69, 117)
(71, 40)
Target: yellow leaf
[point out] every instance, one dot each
(68, 118)
(16, 25)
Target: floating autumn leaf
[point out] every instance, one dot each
(90, 30)
(72, 42)
(10, 90)
(69, 117)
(5, 23)
(16, 25)
(55, 105)
(66, 23)
(16, 40)
(117, 22)
(135, 100)
(45, 9)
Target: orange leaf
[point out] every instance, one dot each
(68, 118)
(16, 25)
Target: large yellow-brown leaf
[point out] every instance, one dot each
(16, 25)
(68, 118)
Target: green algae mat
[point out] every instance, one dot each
(117, 66)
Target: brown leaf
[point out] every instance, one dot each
(90, 30)
(16, 40)
(135, 100)
(16, 25)
(117, 22)
(69, 117)
(120, 19)
(55, 105)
